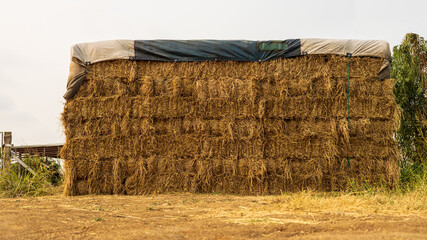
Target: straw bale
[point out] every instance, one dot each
(233, 127)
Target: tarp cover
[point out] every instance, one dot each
(84, 54)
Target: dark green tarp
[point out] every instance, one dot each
(215, 50)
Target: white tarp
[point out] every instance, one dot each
(357, 48)
(103, 51)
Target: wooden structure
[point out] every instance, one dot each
(47, 150)
(15, 153)
(6, 146)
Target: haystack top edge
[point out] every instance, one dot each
(84, 54)
(223, 50)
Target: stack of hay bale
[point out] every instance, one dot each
(312, 120)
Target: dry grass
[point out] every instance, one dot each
(387, 203)
(233, 127)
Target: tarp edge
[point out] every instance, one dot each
(84, 54)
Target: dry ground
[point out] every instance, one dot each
(210, 216)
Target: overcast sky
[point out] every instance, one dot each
(36, 36)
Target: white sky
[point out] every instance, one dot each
(36, 36)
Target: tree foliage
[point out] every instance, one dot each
(409, 68)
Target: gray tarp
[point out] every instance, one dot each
(84, 54)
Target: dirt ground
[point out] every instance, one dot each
(196, 216)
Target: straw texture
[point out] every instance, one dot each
(138, 127)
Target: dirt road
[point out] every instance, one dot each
(196, 216)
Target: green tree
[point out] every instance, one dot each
(409, 69)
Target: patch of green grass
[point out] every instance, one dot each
(256, 220)
(18, 182)
(98, 219)
(153, 209)
(413, 177)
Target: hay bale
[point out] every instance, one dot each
(138, 127)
